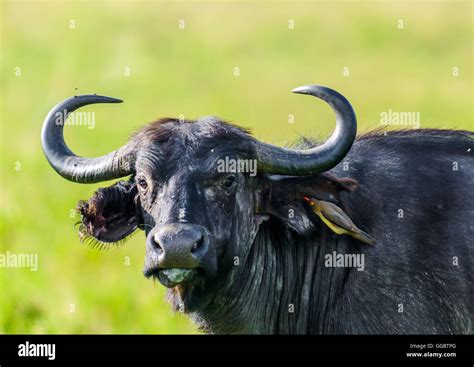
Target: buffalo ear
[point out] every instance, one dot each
(283, 197)
(294, 215)
(110, 215)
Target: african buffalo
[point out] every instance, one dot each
(240, 249)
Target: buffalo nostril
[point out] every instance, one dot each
(158, 246)
(197, 245)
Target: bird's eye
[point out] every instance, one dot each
(228, 182)
(142, 184)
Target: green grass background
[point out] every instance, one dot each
(189, 71)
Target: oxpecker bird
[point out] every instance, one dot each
(338, 221)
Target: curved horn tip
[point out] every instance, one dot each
(111, 99)
(306, 89)
(98, 98)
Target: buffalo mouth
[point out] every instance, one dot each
(172, 277)
(185, 287)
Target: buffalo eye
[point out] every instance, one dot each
(142, 184)
(228, 182)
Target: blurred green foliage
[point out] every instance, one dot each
(57, 47)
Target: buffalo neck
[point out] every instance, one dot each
(282, 287)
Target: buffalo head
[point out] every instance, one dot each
(200, 190)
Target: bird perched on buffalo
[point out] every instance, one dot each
(337, 220)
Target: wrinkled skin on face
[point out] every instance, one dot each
(177, 192)
(191, 191)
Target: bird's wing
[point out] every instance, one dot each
(337, 216)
